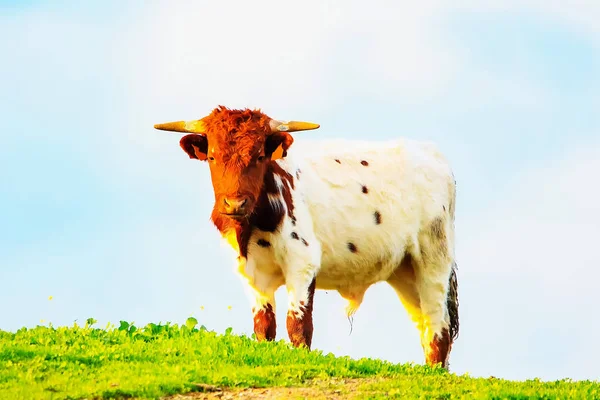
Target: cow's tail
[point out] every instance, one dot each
(452, 302)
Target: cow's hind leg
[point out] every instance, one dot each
(435, 281)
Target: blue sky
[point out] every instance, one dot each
(111, 218)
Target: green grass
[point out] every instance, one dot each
(126, 362)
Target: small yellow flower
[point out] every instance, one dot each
(50, 297)
(202, 307)
(229, 307)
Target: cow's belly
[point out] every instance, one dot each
(364, 246)
(358, 263)
(333, 276)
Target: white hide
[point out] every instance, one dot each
(409, 183)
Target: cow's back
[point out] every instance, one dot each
(368, 202)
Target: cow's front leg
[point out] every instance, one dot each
(261, 290)
(263, 312)
(301, 291)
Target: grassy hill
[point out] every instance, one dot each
(166, 360)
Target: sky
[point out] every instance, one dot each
(110, 217)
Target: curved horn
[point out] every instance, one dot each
(291, 126)
(196, 126)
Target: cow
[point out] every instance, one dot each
(337, 215)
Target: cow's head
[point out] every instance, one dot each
(238, 145)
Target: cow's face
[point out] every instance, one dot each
(238, 146)
(238, 163)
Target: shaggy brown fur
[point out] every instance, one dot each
(238, 146)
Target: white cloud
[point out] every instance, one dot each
(292, 60)
(578, 15)
(281, 55)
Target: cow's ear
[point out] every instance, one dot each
(195, 145)
(277, 145)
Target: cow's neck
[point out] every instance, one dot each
(265, 217)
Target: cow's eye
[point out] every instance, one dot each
(260, 158)
(211, 159)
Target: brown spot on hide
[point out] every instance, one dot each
(438, 350)
(363, 162)
(265, 326)
(265, 217)
(293, 221)
(305, 242)
(295, 236)
(437, 229)
(286, 191)
(298, 173)
(352, 247)
(338, 161)
(377, 216)
(365, 189)
(263, 243)
(438, 233)
(300, 330)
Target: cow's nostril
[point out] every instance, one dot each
(235, 205)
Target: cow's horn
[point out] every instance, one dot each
(291, 126)
(196, 126)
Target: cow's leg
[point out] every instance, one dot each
(263, 311)
(435, 328)
(301, 291)
(404, 283)
(435, 281)
(261, 290)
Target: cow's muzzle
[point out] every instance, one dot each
(235, 207)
